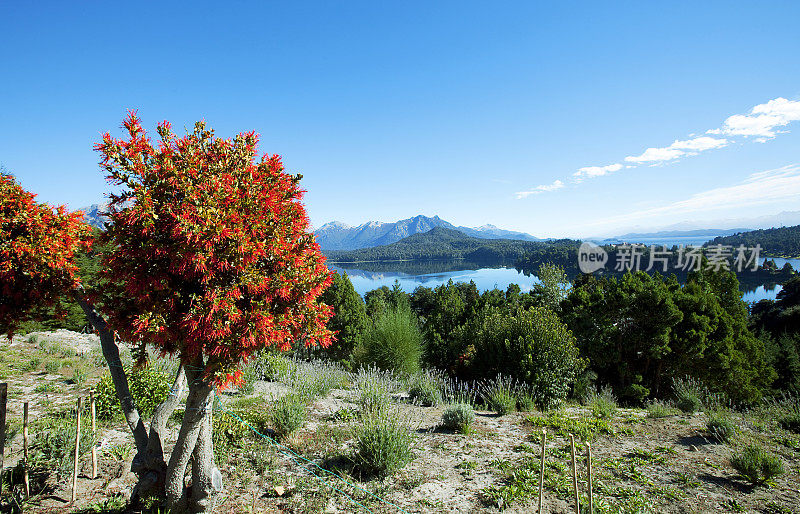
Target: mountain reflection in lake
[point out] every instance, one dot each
(367, 276)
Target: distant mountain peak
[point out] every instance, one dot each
(340, 236)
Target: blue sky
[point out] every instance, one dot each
(478, 112)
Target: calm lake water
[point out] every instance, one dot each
(412, 275)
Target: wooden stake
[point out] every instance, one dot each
(25, 478)
(541, 472)
(77, 452)
(575, 475)
(589, 473)
(3, 400)
(94, 437)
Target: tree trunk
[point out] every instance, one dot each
(118, 376)
(195, 430)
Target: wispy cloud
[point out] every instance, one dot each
(759, 188)
(678, 149)
(762, 123)
(596, 171)
(557, 184)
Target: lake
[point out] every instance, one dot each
(368, 276)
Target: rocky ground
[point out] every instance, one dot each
(640, 463)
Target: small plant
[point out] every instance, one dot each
(45, 387)
(688, 395)
(52, 367)
(458, 417)
(247, 386)
(383, 444)
(374, 387)
(602, 403)
(79, 375)
(288, 414)
(721, 427)
(33, 364)
(149, 387)
(424, 390)
(756, 464)
(660, 409)
(500, 394)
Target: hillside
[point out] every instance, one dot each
(782, 241)
(340, 236)
(441, 243)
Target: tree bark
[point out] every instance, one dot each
(118, 376)
(197, 414)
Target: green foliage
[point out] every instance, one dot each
(500, 394)
(553, 286)
(288, 414)
(688, 394)
(458, 417)
(585, 428)
(373, 387)
(424, 389)
(721, 427)
(383, 444)
(776, 241)
(532, 347)
(756, 464)
(349, 320)
(270, 365)
(53, 443)
(149, 388)
(602, 403)
(393, 342)
(660, 409)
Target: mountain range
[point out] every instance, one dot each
(340, 236)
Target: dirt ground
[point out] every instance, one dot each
(640, 463)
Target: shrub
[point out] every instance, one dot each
(268, 365)
(688, 395)
(374, 387)
(500, 394)
(525, 402)
(393, 342)
(533, 347)
(660, 409)
(721, 427)
(756, 464)
(54, 441)
(149, 388)
(424, 389)
(602, 403)
(458, 417)
(247, 386)
(52, 366)
(288, 414)
(383, 444)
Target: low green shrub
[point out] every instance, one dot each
(721, 427)
(500, 394)
(374, 386)
(288, 414)
(149, 388)
(424, 390)
(393, 342)
(602, 403)
(268, 365)
(756, 464)
(688, 395)
(458, 417)
(660, 409)
(52, 366)
(383, 444)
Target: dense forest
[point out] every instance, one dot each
(441, 243)
(782, 241)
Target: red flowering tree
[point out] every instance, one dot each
(210, 260)
(37, 247)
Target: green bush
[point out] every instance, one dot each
(288, 414)
(602, 403)
(424, 390)
(756, 464)
(688, 395)
(458, 417)
(393, 342)
(383, 444)
(268, 365)
(500, 394)
(660, 409)
(149, 388)
(373, 387)
(721, 427)
(533, 347)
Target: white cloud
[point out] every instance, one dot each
(762, 121)
(596, 171)
(678, 149)
(760, 188)
(540, 189)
